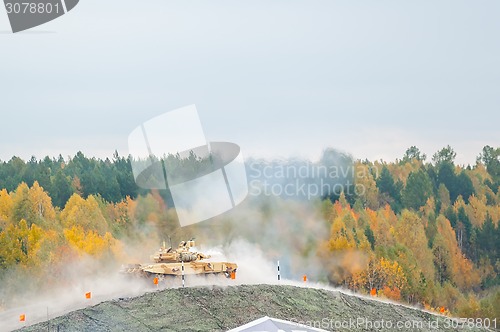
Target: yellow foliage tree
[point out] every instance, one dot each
(449, 259)
(476, 210)
(6, 204)
(364, 179)
(380, 274)
(89, 242)
(41, 202)
(410, 232)
(85, 213)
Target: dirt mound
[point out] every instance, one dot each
(224, 308)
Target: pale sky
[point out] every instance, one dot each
(279, 78)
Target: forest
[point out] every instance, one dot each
(423, 232)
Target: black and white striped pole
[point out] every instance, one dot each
(182, 274)
(279, 276)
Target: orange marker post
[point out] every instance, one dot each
(441, 310)
(155, 281)
(373, 292)
(22, 318)
(304, 278)
(233, 275)
(88, 295)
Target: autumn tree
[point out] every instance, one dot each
(410, 232)
(85, 213)
(6, 204)
(41, 203)
(368, 197)
(450, 262)
(21, 208)
(380, 274)
(89, 242)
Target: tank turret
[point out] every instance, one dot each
(183, 253)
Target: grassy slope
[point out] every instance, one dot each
(217, 308)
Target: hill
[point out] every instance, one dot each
(223, 308)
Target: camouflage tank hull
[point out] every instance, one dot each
(175, 269)
(182, 260)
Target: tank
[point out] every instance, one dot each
(171, 262)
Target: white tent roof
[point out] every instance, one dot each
(268, 324)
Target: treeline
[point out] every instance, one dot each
(421, 232)
(60, 178)
(110, 179)
(467, 197)
(425, 233)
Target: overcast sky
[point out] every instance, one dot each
(279, 78)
